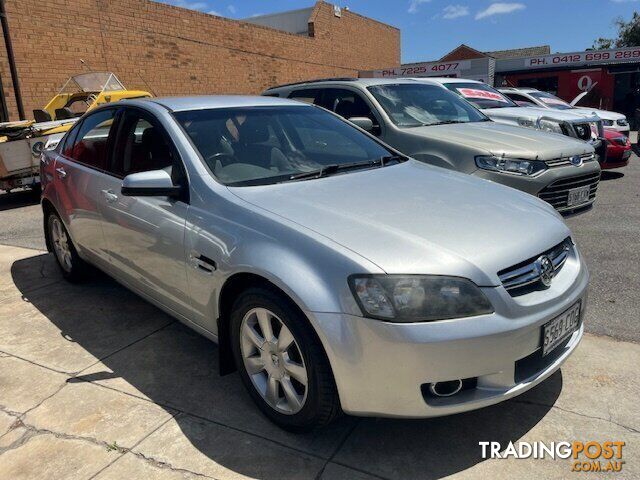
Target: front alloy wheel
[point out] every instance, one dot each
(273, 360)
(281, 361)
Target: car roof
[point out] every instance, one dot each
(452, 80)
(364, 82)
(517, 89)
(205, 102)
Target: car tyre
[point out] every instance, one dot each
(73, 268)
(293, 387)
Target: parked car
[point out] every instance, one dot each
(531, 97)
(618, 150)
(334, 272)
(433, 125)
(501, 109)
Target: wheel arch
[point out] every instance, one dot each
(231, 289)
(47, 208)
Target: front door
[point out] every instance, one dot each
(145, 235)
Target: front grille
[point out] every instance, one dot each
(557, 193)
(564, 161)
(525, 276)
(622, 123)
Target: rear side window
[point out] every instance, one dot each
(521, 100)
(90, 146)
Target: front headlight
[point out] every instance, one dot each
(417, 298)
(549, 126)
(607, 123)
(510, 165)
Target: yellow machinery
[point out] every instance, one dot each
(21, 142)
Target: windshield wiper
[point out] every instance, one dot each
(448, 122)
(334, 168)
(320, 172)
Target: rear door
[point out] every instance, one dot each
(145, 235)
(79, 177)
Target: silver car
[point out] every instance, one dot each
(334, 273)
(433, 125)
(532, 97)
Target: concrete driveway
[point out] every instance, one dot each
(96, 383)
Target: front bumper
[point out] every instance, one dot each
(381, 368)
(535, 185)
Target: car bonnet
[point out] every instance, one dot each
(413, 218)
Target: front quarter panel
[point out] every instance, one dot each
(241, 238)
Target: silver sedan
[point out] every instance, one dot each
(335, 273)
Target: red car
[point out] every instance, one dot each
(618, 150)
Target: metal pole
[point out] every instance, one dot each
(12, 60)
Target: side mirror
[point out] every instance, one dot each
(362, 122)
(155, 183)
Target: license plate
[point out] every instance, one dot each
(558, 329)
(578, 195)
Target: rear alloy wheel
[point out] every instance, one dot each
(281, 361)
(73, 267)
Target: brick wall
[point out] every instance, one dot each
(173, 51)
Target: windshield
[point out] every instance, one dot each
(92, 82)
(413, 105)
(481, 95)
(266, 145)
(551, 100)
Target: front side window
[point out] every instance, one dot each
(306, 95)
(347, 104)
(265, 145)
(551, 100)
(90, 146)
(414, 105)
(142, 146)
(480, 94)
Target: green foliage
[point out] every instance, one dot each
(628, 34)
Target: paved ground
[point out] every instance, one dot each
(96, 383)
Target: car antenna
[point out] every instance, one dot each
(146, 84)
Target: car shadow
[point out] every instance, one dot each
(177, 369)
(17, 199)
(610, 175)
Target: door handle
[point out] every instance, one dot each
(110, 196)
(202, 263)
(61, 172)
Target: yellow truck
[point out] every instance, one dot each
(22, 142)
